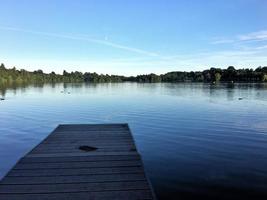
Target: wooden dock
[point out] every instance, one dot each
(80, 162)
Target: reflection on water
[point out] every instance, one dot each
(197, 140)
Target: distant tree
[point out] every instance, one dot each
(39, 71)
(217, 77)
(207, 76)
(2, 66)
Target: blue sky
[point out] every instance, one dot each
(132, 37)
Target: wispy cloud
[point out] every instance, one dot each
(83, 38)
(221, 41)
(261, 47)
(249, 37)
(255, 36)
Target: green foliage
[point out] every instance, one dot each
(217, 77)
(15, 76)
(150, 78)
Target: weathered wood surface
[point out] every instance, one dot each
(58, 169)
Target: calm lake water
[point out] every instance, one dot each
(195, 139)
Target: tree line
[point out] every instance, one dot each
(212, 75)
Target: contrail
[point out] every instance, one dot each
(75, 37)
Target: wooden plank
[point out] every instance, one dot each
(78, 158)
(93, 134)
(102, 195)
(104, 140)
(74, 151)
(85, 142)
(76, 148)
(58, 169)
(76, 145)
(73, 187)
(74, 179)
(100, 132)
(68, 165)
(85, 127)
(71, 145)
(79, 137)
(94, 153)
(74, 172)
(113, 149)
(87, 139)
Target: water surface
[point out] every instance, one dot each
(196, 140)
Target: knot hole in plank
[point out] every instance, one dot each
(87, 148)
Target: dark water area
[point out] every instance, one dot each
(196, 140)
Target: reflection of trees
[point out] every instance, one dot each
(230, 93)
(15, 86)
(3, 91)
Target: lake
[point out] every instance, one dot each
(196, 139)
